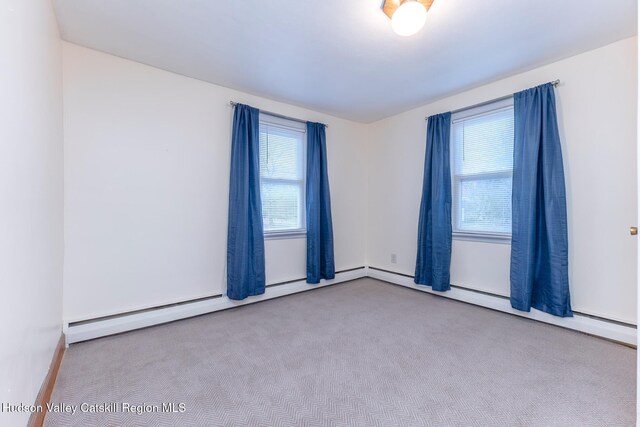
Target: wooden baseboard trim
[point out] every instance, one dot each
(44, 396)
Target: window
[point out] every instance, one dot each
(482, 168)
(282, 175)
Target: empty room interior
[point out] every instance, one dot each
(318, 213)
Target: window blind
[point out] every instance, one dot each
(282, 177)
(482, 170)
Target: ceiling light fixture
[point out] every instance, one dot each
(407, 16)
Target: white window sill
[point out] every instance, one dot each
(291, 234)
(503, 239)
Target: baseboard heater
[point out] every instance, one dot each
(606, 328)
(123, 322)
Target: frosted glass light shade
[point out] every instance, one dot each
(409, 18)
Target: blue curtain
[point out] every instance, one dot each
(245, 239)
(320, 264)
(434, 229)
(539, 248)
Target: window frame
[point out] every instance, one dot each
(290, 125)
(477, 111)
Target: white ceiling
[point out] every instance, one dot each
(341, 56)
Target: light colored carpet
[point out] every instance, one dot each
(363, 353)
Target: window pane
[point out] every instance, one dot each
(282, 172)
(484, 205)
(281, 205)
(483, 162)
(280, 153)
(484, 143)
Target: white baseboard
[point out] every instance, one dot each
(129, 322)
(599, 327)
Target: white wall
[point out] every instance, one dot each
(637, 218)
(597, 114)
(146, 181)
(146, 176)
(31, 194)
